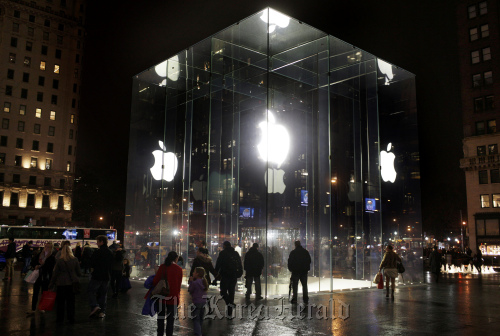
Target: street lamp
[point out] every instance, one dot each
(462, 234)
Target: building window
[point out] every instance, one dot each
(15, 27)
(485, 201)
(55, 84)
(56, 68)
(46, 23)
(476, 80)
(10, 74)
(60, 202)
(73, 103)
(36, 145)
(38, 113)
(42, 65)
(27, 61)
(75, 87)
(486, 54)
(14, 198)
(41, 81)
(5, 123)
(58, 53)
(471, 11)
(6, 107)
(20, 126)
(47, 182)
(52, 130)
(45, 50)
(29, 46)
(36, 129)
(31, 200)
(481, 150)
(483, 177)
(62, 182)
(495, 176)
(18, 160)
(45, 201)
(46, 36)
(39, 96)
(485, 31)
(492, 126)
(492, 149)
(50, 147)
(53, 99)
(13, 42)
(68, 166)
(16, 178)
(72, 119)
(473, 35)
(59, 39)
(489, 103)
(60, 27)
(26, 77)
(483, 8)
(3, 140)
(52, 115)
(48, 164)
(17, 14)
(19, 143)
(71, 134)
(31, 31)
(34, 162)
(32, 180)
(2, 158)
(70, 150)
(31, 18)
(12, 58)
(474, 55)
(2, 179)
(8, 90)
(488, 78)
(24, 93)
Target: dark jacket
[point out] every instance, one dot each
(47, 267)
(11, 251)
(65, 273)
(254, 262)
(27, 251)
(78, 253)
(101, 263)
(435, 261)
(206, 263)
(224, 266)
(299, 261)
(118, 260)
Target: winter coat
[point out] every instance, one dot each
(223, 264)
(118, 260)
(11, 251)
(101, 263)
(197, 290)
(254, 262)
(65, 272)
(299, 261)
(78, 253)
(174, 278)
(390, 260)
(47, 267)
(27, 251)
(206, 263)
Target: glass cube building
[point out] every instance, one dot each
(272, 131)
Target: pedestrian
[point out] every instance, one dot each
(125, 282)
(66, 272)
(59, 252)
(299, 263)
(86, 256)
(173, 273)
(203, 260)
(27, 253)
(198, 287)
(10, 256)
(478, 260)
(117, 270)
(435, 262)
(78, 252)
(389, 264)
(43, 262)
(113, 247)
(101, 263)
(229, 269)
(254, 263)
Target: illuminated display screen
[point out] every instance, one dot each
(246, 212)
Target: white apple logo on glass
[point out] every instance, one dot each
(169, 68)
(387, 165)
(165, 164)
(386, 69)
(273, 148)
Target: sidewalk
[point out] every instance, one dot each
(458, 305)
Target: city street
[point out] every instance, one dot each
(458, 305)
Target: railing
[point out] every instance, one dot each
(480, 161)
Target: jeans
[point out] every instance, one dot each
(27, 263)
(248, 285)
(169, 311)
(98, 291)
(227, 289)
(295, 284)
(9, 270)
(39, 284)
(198, 315)
(116, 278)
(65, 301)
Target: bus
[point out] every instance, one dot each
(43, 234)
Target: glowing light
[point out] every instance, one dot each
(165, 165)
(387, 170)
(275, 142)
(386, 69)
(169, 68)
(276, 19)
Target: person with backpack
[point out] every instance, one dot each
(299, 263)
(229, 269)
(254, 263)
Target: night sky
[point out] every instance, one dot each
(126, 37)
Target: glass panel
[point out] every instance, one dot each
(496, 200)
(485, 201)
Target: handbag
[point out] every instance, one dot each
(32, 277)
(400, 267)
(76, 284)
(381, 282)
(376, 279)
(162, 288)
(28, 274)
(47, 301)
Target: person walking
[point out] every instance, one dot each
(478, 258)
(254, 263)
(117, 270)
(203, 260)
(229, 269)
(125, 282)
(198, 287)
(86, 256)
(78, 252)
(10, 256)
(66, 272)
(59, 251)
(43, 262)
(389, 264)
(173, 273)
(435, 262)
(299, 263)
(101, 263)
(27, 253)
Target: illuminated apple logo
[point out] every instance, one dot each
(273, 148)
(169, 68)
(276, 19)
(386, 69)
(165, 164)
(387, 165)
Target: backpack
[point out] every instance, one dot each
(234, 267)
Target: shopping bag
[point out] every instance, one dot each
(47, 301)
(381, 282)
(28, 274)
(376, 279)
(32, 277)
(149, 306)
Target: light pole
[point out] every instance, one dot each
(462, 234)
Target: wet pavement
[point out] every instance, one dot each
(457, 305)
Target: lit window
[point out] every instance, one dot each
(473, 35)
(22, 109)
(474, 56)
(72, 119)
(56, 68)
(12, 58)
(481, 150)
(485, 31)
(488, 78)
(38, 113)
(485, 201)
(486, 54)
(52, 115)
(42, 65)
(472, 11)
(6, 107)
(34, 162)
(48, 164)
(496, 200)
(68, 166)
(483, 8)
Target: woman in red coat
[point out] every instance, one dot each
(174, 277)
